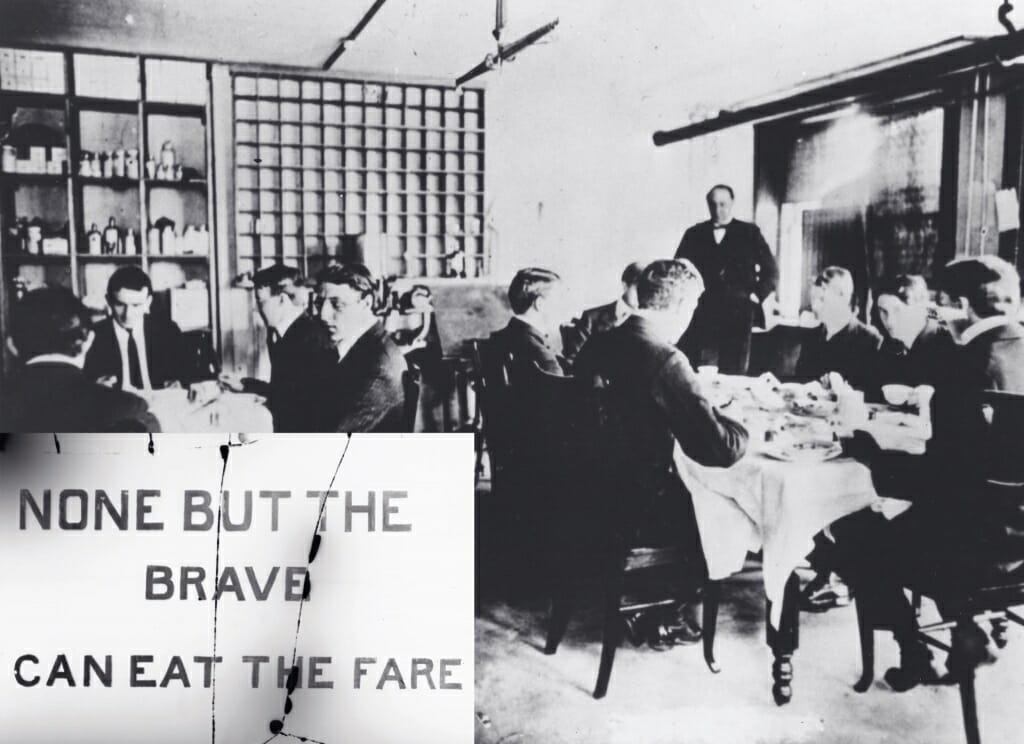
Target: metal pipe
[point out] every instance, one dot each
(340, 49)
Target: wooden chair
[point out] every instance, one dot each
(491, 366)
(617, 560)
(411, 387)
(975, 598)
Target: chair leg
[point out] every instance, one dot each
(561, 607)
(963, 672)
(610, 642)
(867, 648)
(710, 622)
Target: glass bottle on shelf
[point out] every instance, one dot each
(188, 240)
(118, 163)
(168, 240)
(130, 248)
(153, 240)
(111, 236)
(203, 241)
(95, 241)
(131, 163)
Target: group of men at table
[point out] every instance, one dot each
(337, 370)
(634, 345)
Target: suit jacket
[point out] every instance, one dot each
(165, 353)
(953, 506)
(58, 397)
(852, 352)
(931, 360)
(364, 389)
(300, 363)
(655, 399)
(527, 346)
(595, 320)
(741, 265)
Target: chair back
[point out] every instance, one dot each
(1002, 463)
(411, 388)
(491, 370)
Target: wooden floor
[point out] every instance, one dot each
(524, 697)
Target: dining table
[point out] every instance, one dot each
(792, 483)
(208, 409)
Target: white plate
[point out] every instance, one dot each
(794, 453)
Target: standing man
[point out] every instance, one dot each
(132, 347)
(739, 272)
(363, 390)
(300, 355)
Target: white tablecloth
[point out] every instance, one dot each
(235, 412)
(778, 506)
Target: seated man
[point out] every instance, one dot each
(657, 401)
(604, 317)
(132, 348)
(842, 343)
(51, 332)
(363, 389)
(954, 530)
(534, 296)
(301, 351)
(915, 349)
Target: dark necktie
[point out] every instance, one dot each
(134, 366)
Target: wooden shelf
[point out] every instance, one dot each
(166, 108)
(192, 184)
(35, 179)
(119, 184)
(184, 257)
(15, 99)
(108, 105)
(36, 258)
(109, 258)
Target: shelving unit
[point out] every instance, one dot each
(321, 162)
(138, 105)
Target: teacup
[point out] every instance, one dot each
(896, 395)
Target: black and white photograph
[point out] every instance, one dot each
(725, 295)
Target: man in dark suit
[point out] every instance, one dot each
(656, 401)
(51, 332)
(955, 529)
(364, 387)
(534, 296)
(841, 343)
(301, 352)
(739, 272)
(134, 349)
(604, 317)
(916, 349)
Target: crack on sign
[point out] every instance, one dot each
(277, 725)
(151, 447)
(225, 450)
(56, 443)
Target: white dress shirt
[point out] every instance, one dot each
(985, 324)
(121, 335)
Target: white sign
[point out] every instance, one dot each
(132, 614)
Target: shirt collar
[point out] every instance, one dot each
(622, 311)
(78, 361)
(985, 324)
(283, 329)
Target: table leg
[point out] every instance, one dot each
(784, 640)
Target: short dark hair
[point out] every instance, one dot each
(278, 278)
(529, 284)
(50, 320)
(665, 283)
(631, 274)
(911, 289)
(128, 277)
(990, 285)
(353, 275)
(723, 187)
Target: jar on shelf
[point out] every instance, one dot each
(131, 163)
(151, 169)
(118, 163)
(107, 164)
(9, 159)
(95, 240)
(85, 165)
(111, 237)
(167, 155)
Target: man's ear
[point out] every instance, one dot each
(149, 302)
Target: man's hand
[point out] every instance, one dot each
(231, 381)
